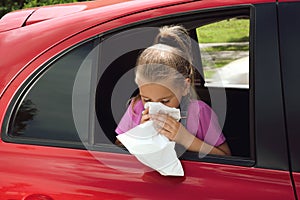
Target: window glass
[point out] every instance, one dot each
(225, 52)
(46, 111)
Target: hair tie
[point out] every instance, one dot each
(169, 41)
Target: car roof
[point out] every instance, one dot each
(26, 34)
(30, 16)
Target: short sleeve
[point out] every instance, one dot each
(203, 120)
(131, 117)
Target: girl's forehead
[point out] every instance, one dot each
(157, 90)
(155, 86)
(168, 83)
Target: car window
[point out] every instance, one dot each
(119, 52)
(47, 108)
(225, 52)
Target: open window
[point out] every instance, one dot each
(225, 52)
(230, 100)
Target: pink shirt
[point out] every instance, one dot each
(201, 121)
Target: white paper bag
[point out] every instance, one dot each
(150, 147)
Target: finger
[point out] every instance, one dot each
(171, 126)
(171, 136)
(158, 117)
(145, 112)
(145, 118)
(163, 117)
(166, 122)
(158, 125)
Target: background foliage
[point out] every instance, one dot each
(11, 5)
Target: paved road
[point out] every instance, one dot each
(235, 73)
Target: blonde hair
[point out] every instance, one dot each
(169, 58)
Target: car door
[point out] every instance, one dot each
(261, 155)
(289, 42)
(59, 128)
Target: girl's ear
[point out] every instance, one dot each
(187, 86)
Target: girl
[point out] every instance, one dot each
(164, 73)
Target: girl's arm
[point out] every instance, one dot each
(175, 131)
(193, 143)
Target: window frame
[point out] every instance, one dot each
(225, 12)
(268, 113)
(289, 41)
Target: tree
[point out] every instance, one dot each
(11, 5)
(35, 3)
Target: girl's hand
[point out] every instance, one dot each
(145, 116)
(168, 126)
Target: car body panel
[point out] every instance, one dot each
(55, 11)
(79, 174)
(296, 176)
(14, 20)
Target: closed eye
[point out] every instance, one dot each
(147, 100)
(164, 101)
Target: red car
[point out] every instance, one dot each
(66, 75)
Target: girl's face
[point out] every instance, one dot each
(154, 92)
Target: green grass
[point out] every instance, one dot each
(233, 30)
(222, 63)
(208, 73)
(217, 63)
(226, 31)
(228, 48)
